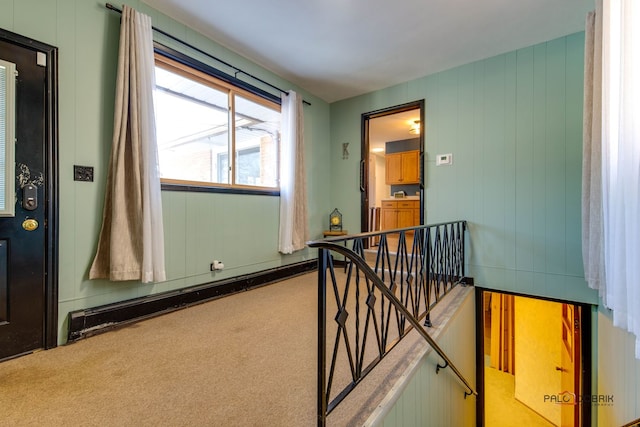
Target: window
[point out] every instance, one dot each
(201, 120)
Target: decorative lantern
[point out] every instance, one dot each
(335, 220)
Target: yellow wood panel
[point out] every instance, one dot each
(410, 167)
(399, 214)
(388, 219)
(393, 168)
(408, 204)
(405, 218)
(389, 205)
(402, 167)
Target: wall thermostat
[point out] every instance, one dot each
(444, 159)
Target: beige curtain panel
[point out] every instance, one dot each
(293, 228)
(131, 242)
(592, 225)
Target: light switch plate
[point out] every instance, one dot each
(83, 173)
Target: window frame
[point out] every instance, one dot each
(193, 69)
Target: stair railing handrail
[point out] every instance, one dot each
(633, 423)
(329, 244)
(380, 232)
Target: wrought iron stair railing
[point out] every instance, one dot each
(634, 423)
(389, 284)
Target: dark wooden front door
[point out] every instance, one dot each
(28, 287)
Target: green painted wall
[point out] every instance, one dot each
(241, 231)
(514, 125)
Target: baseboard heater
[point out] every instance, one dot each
(91, 321)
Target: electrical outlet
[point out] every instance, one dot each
(83, 173)
(216, 265)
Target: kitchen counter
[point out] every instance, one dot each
(398, 198)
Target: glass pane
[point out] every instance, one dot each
(257, 139)
(3, 134)
(192, 129)
(7, 125)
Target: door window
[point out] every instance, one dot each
(7, 139)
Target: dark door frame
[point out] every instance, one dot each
(50, 328)
(364, 156)
(585, 350)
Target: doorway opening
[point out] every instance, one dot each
(392, 167)
(534, 360)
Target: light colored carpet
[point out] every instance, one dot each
(502, 409)
(243, 360)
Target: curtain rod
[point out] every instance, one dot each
(190, 46)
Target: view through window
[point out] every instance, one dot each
(200, 120)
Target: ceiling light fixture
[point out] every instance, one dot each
(414, 129)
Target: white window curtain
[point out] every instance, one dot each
(131, 242)
(619, 163)
(293, 232)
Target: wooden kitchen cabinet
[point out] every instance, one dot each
(402, 168)
(399, 214)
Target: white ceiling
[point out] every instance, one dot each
(393, 127)
(336, 49)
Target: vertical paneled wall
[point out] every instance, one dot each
(430, 399)
(240, 230)
(514, 126)
(618, 375)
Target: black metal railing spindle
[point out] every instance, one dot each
(377, 305)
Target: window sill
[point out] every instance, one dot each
(223, 190)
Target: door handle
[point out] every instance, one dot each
(30, 197)
(561, 369)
